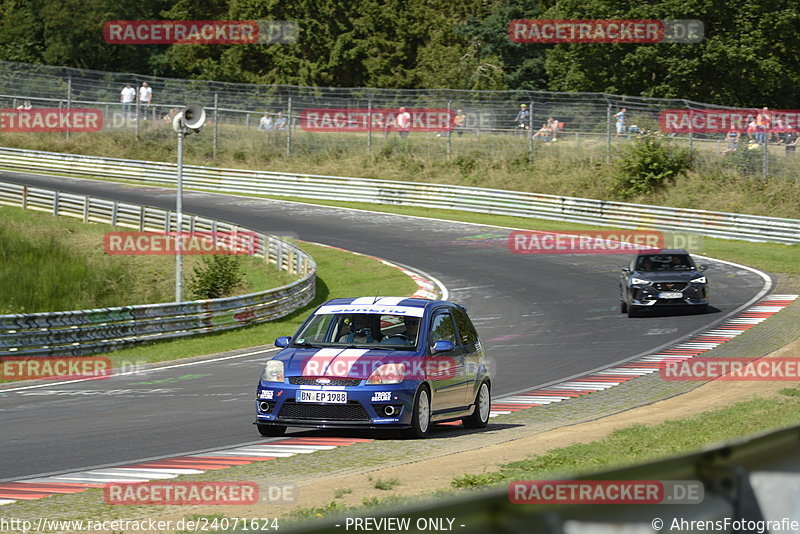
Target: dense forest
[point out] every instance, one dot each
(747, 57)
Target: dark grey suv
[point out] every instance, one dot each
(662, 278)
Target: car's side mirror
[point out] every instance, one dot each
(703, 267)
(626, 270)
(283, 341)
(443, 346)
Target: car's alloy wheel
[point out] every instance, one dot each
(271, 431)
(421, 417)
(483, 405)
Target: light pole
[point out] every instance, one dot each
(190, 120)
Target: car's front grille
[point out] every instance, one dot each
(312, 381)
(670, 286)
(352, 411)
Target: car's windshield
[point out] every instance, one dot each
(665, 262)
(362, 330)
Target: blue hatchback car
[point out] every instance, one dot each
(377, 363)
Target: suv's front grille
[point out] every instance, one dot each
(670, 286)
(352, 411)
(312, 381)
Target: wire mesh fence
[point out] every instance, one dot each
(445, 123)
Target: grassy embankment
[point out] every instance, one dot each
(59, 263)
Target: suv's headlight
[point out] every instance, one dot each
(639, 282)
(699, 280)
(391, 373)
(273, 371)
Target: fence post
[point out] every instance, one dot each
(247, 121)
(289, 127)
(766, 155)
(216, 129)
(608, 133)
(138, 116)
(449, 129)
(530, 130)
(69, 100)
(369, 127)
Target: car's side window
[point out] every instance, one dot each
(442, 328)
(466, 332)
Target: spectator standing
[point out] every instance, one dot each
(460, 122)
(762, 125)
(523, 118)
(620, 118)
(554, 125)
(145, 98)
(403, 122)
(26, 104)
(127, 96)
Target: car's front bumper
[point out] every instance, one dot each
(276, 404)
(649, 296)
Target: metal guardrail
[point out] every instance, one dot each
(750, 480)
(73, 333)
(480, 200)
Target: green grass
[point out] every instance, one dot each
(384, 485)
(58, 263)
(638, 444)
(339, 274)
(568, 167)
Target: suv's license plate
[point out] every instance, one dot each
(337, 397)
(670, 295)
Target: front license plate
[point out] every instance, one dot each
(336, 397)
(670, 295)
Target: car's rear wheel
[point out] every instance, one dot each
(421, 416)
(271, 431)
(483, 405)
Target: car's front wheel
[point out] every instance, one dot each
(271, 431)
(632, 311)
(421, 417)
(623, 306)
(483, 405)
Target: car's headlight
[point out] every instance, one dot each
(273, 371)
(699, 280)
(639, 282)
(391, 373)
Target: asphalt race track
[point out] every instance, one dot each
(541, 317)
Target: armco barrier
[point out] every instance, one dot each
(73, 333)
(493, 201)
(745, 482)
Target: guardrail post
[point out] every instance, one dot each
(114, 213)
(290, 121)
(55, 202)
(24, 197)
(86, 209)
(216, 129)
(141, 218)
